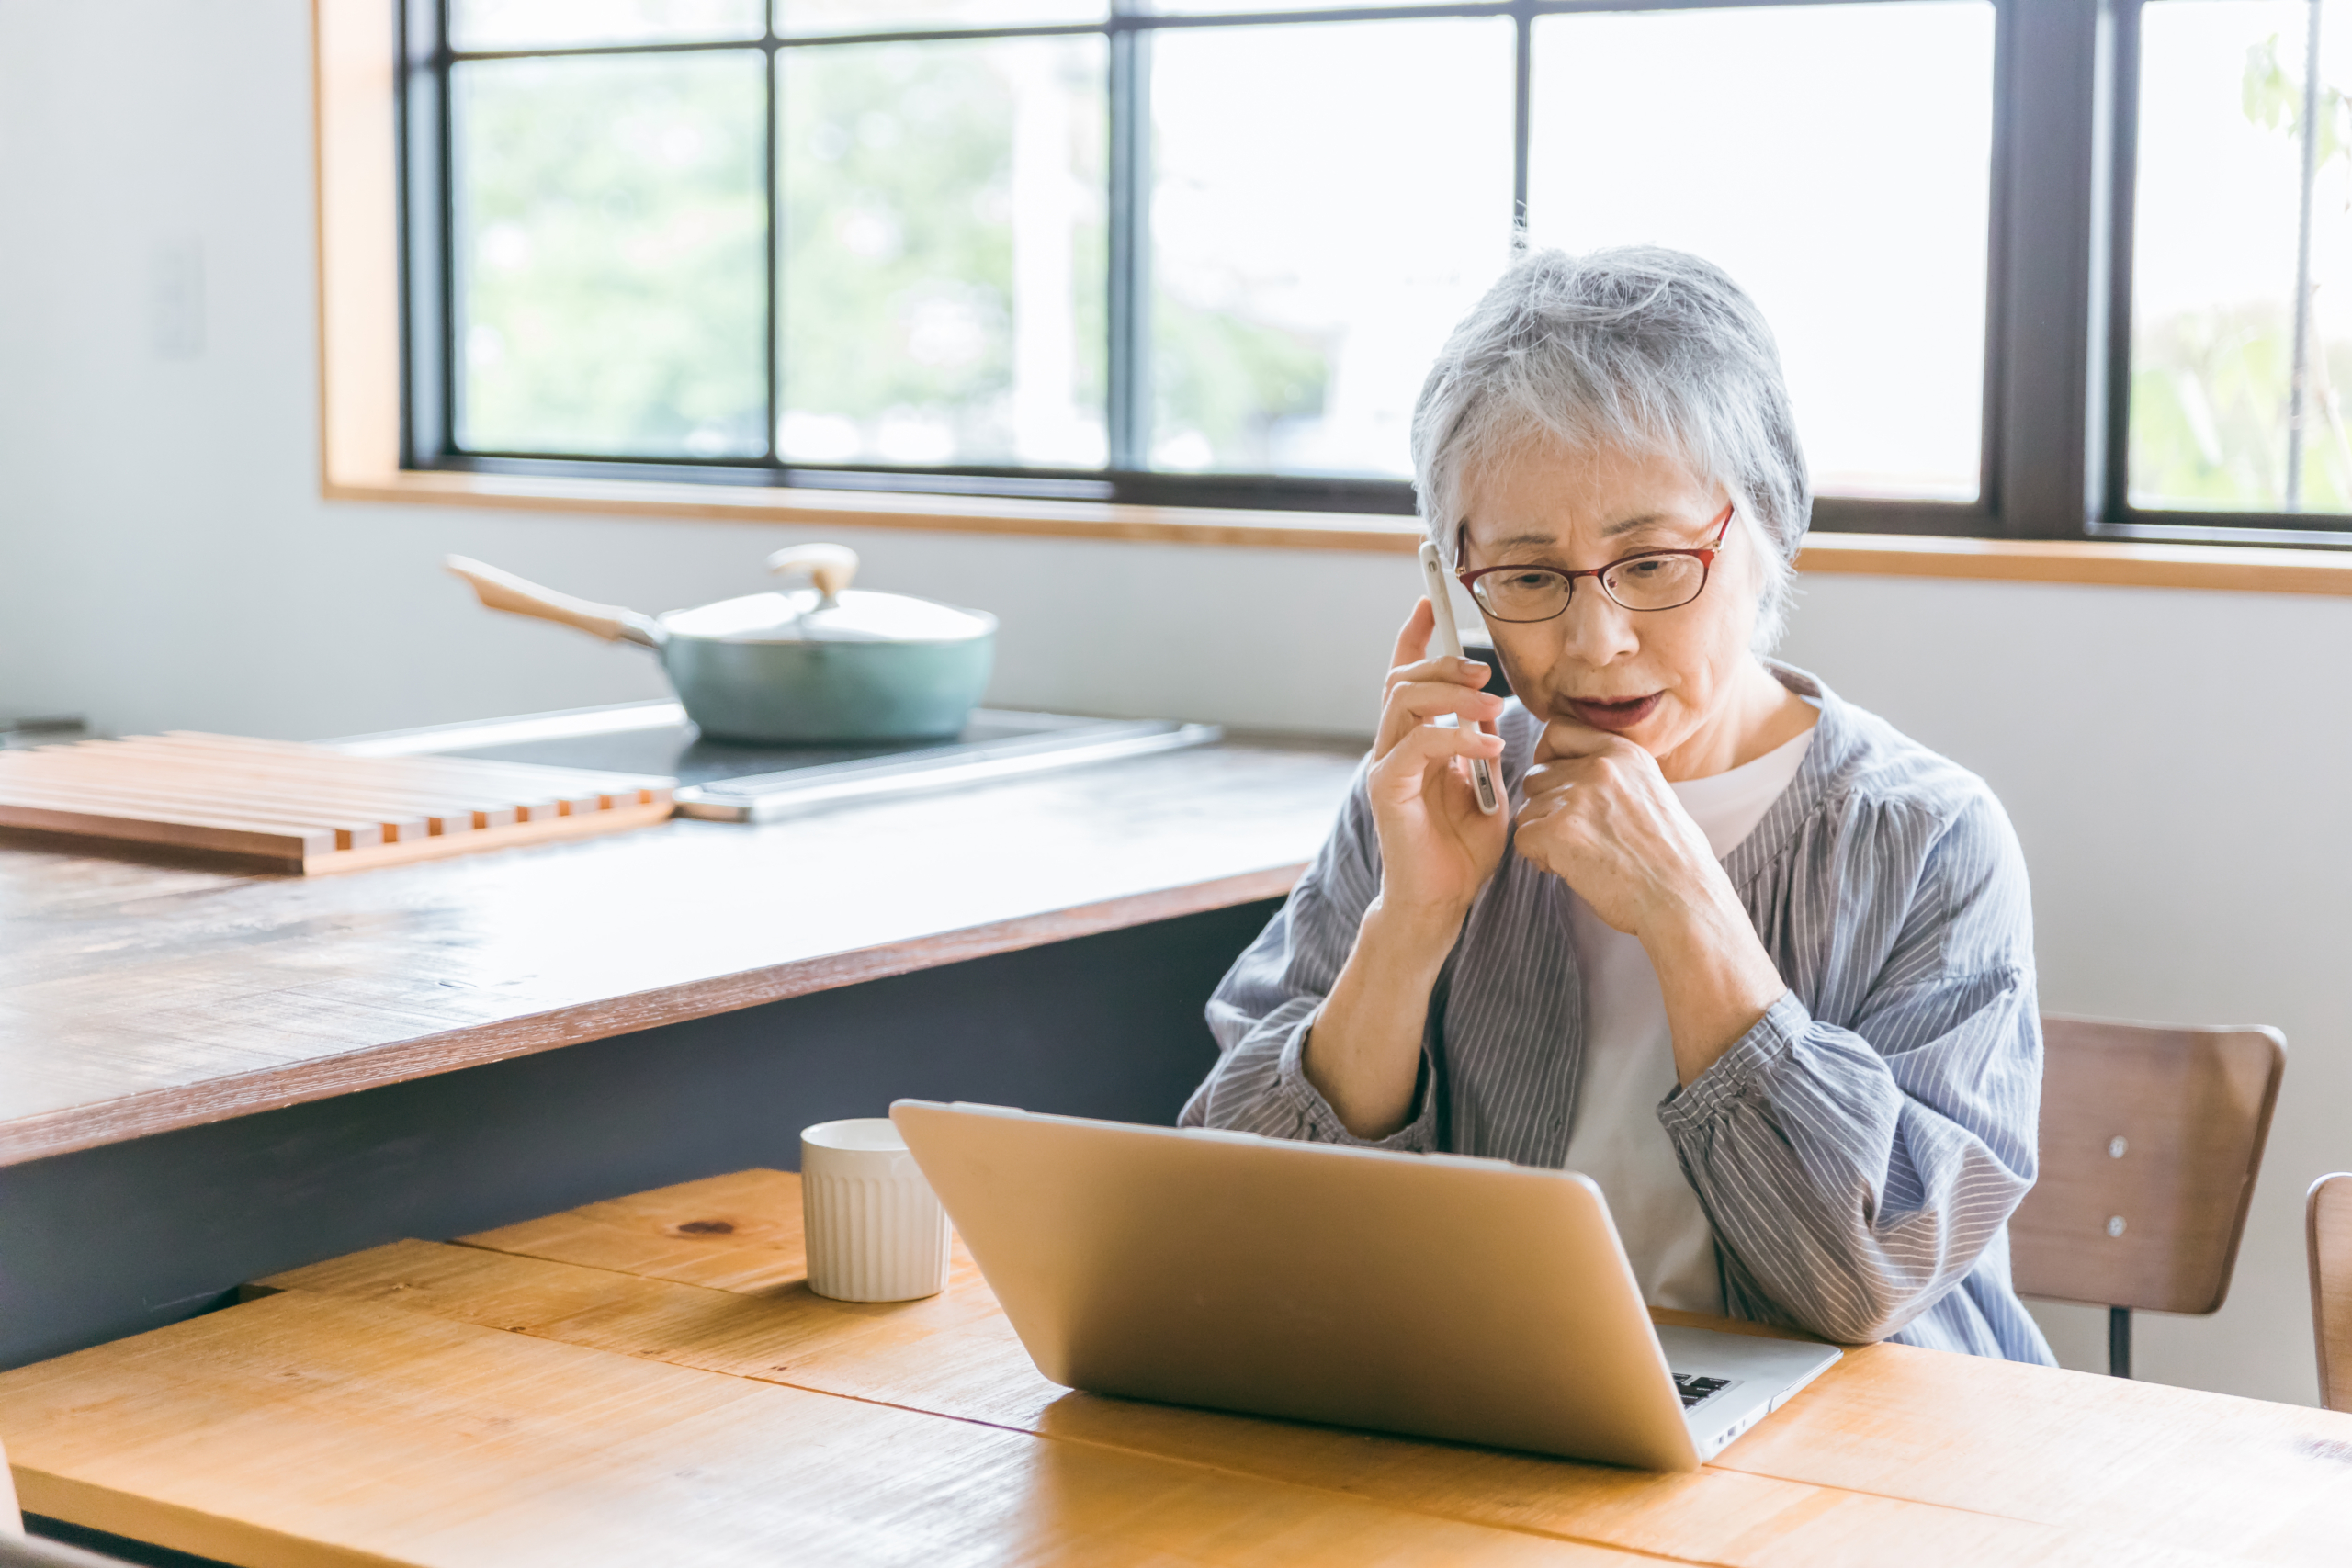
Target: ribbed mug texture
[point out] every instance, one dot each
(874, 1239)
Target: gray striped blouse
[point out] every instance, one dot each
(1858, 1153)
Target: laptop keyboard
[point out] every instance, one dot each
(1695, 1389)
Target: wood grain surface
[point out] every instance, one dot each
(2201, 1472)
(2043, 1464)
(952, 1355)
(307, 1429)
(138, 997)
(2166, 1469)
(649, 1379)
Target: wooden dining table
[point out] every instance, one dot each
(649, 1380)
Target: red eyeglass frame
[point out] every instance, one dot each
(1706, 556)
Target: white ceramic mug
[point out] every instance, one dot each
(875, 1231)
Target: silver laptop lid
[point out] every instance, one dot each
(1434, 1295)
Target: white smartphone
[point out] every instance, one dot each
(1438, 585)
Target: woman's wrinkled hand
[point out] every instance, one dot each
(1437, 849)
(1602, 818)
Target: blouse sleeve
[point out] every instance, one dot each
(1854, 1174)
(1262, 1010)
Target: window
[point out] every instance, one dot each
(1296, 301)
(2041, 268)
(1836, 160)
(2240, 284)
(611, 236)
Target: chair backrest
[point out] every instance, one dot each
(2151, 1139)
(2327, 1222)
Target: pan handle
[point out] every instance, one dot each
(504, 590)
(830, 567)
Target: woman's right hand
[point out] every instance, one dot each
(1437, 849)
(1362, 1052)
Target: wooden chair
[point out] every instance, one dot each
(2151, 1139)
(2327, 1222)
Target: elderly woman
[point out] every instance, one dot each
(1757, 964)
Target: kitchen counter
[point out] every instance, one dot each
(141, 995)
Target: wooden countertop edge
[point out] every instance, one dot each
(169, 1108)
(2120, 563)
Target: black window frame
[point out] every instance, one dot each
(2056, 365)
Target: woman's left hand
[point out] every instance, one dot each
(1602, 818)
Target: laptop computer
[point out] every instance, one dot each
(1434, 1295)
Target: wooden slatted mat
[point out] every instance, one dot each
(285, 806)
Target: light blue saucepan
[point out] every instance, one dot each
(820, 663)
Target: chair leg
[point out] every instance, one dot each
(2119, 1342)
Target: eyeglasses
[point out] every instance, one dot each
(1646, 580)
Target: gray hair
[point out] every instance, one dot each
(1640, 348)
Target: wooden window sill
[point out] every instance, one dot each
(2245, 569)
(883, 509)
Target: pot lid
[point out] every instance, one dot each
(854, 616)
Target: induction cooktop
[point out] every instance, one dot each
(736, 781)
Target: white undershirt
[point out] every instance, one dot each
(1629, 1061)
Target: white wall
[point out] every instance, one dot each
(2175, 762)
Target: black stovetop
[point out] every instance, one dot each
(679, 750)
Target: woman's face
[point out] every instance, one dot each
(1664, 678)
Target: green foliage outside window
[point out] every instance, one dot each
(612, 238)
(2210, 388)
(1227, 384)
(899, 293)
(2208, 398)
